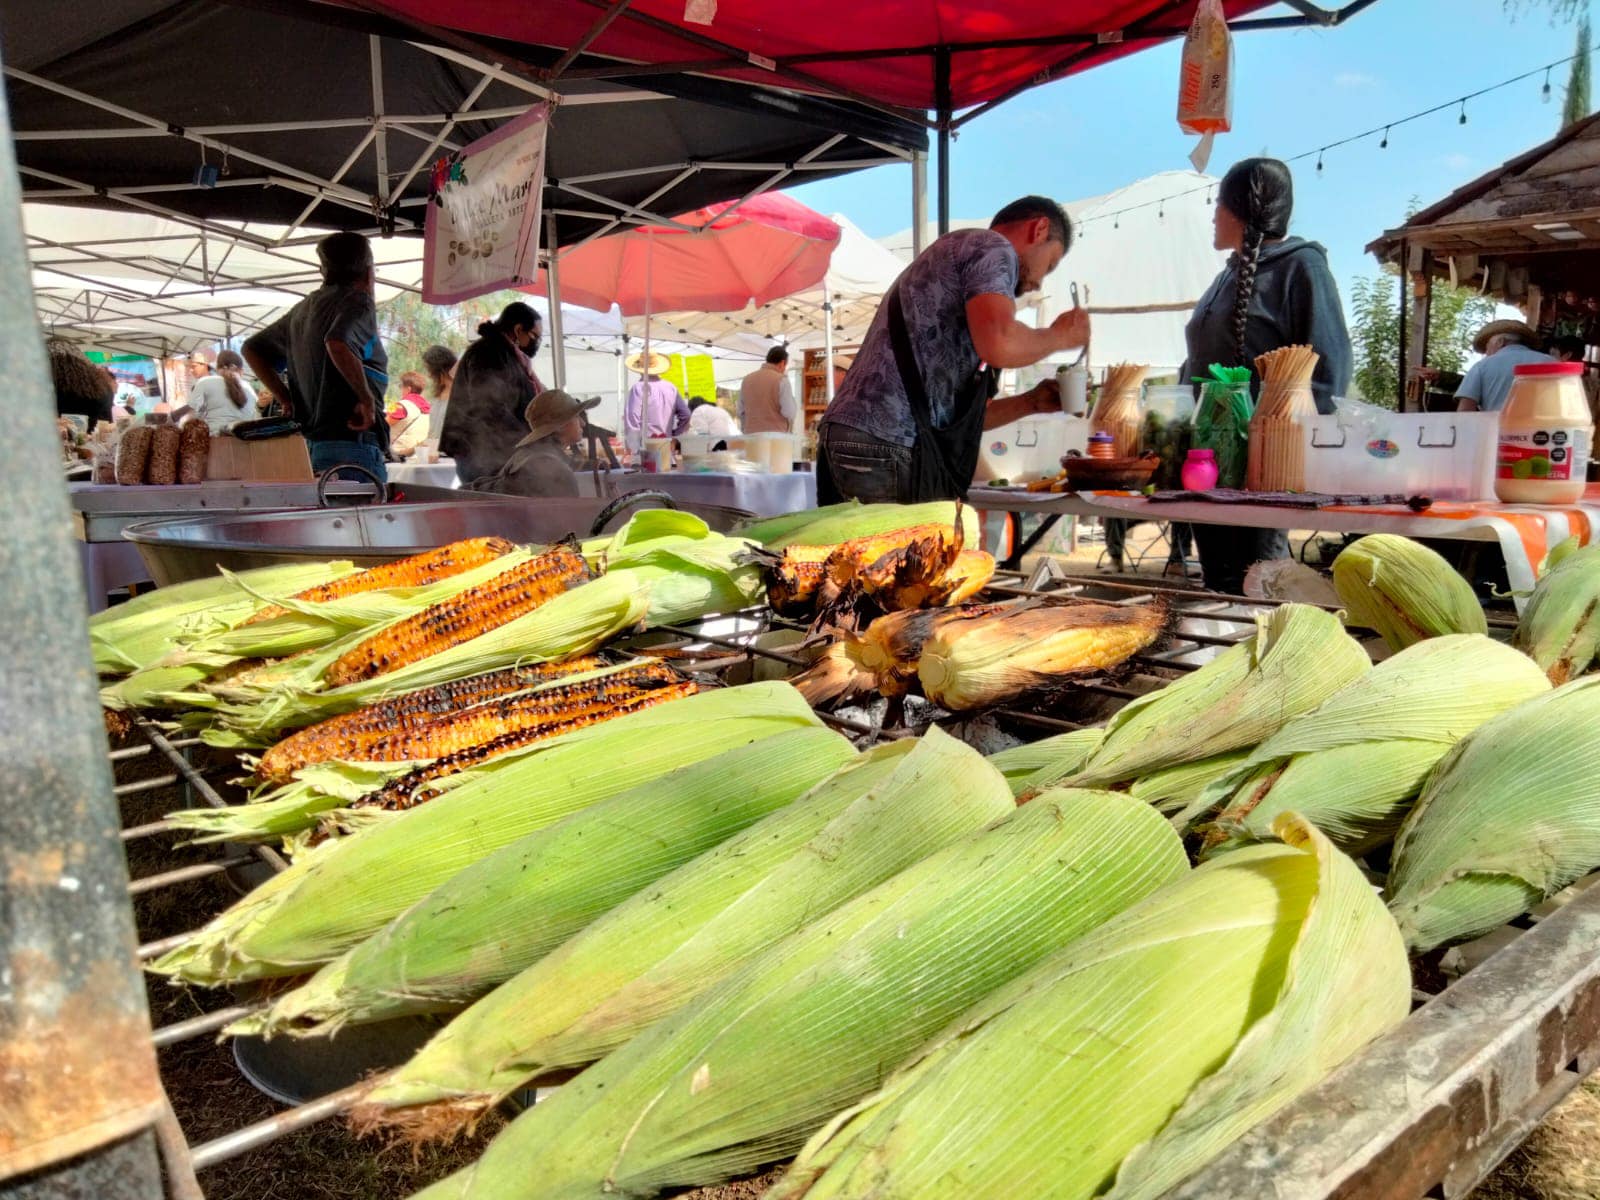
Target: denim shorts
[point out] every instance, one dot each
(865, 469)
(358, 453)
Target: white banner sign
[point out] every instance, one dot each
(482, 229)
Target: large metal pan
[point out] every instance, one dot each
(196, 547)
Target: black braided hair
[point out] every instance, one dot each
(1260, 192)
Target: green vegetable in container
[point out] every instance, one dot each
(1222, 423)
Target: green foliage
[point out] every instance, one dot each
(1559, 10)
(1456, 314)
(1576, 107)
(409, 327)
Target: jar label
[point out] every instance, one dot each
(1542, 453)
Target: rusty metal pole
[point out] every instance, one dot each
(79, 1092)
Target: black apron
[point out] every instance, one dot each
(942, 460)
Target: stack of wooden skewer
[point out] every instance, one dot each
(1117, 410)
(1277, 461)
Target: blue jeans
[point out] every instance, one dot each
(857, 466)
(361, 452)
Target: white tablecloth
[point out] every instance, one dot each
(764, 495)
(439, 474)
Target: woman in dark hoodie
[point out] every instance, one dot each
(493, 385)
(1275, 291)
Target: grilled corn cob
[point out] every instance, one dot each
(461, 618)
(807, 574)
(411, 789)
(796, 578)
(968, 575)
(416, 571)
(882, 658)
(352, 734)
(989, 658)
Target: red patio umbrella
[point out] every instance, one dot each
(715, 259)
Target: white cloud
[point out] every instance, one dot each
(1354, 79)
(1456, 162)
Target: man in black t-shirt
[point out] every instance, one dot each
(336, 364)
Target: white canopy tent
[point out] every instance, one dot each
(1142, 257)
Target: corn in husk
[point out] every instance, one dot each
(1034, 766)
(482, 926)
(1298, 657)
(1354, 765)
(995, 657)
(837, 523)
(880, 659)
(890, 808)
(1403, 591)
(1559, 629)
(1124, 1062)
(353, 886)
(1173, 789)
(1507, 819)
(743, 1076)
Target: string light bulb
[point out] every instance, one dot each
(1384, 145)
(1319, 162)
(1462, 119)
(1544, 92)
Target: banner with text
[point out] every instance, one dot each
(482, 229)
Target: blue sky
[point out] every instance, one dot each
(1293, 91)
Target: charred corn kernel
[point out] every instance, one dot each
(835, 523)
(416, 571)
(350, 735)
(450, 622)
(995, 657)
(516, 730)
(794, 585)
(879, 561)
(969, 575)
(1404, 591)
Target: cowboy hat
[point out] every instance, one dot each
(658, 363)
(549, 411)
(1525, 334)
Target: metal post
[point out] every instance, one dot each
(77, 1068)
(941, 84)
(1405, 287)
(558, 347)
(919, 200)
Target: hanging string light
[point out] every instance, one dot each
(1319, 162)
(1384, 145)
(1462, 120)
(1544, 92)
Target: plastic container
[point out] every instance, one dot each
(657, 454)
(695, 445)
(1545, 435)
(1030, 448)
(774, 453)
(1073, 384)
(1102, 445)
(1199, 472)
(1362, 450)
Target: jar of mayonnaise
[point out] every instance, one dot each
(1545, 435)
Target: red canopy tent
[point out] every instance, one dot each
(947, 56)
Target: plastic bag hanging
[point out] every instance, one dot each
(1205, 80)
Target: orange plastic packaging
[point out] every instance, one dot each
(1546, 432)
(1205, 79)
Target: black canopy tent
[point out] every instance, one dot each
(318, 117)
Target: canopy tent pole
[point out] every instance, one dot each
(558, 346)
(919, 200)
(941, 67)
(827, 341)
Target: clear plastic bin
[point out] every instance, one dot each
(1362, 450)
(1030, 448)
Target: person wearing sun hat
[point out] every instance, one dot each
(539, 466)
(1505, 346)
(654, 408)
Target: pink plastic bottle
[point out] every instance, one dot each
(1199, 471)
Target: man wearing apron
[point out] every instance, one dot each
(907, 422)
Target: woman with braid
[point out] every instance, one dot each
(1275, 291)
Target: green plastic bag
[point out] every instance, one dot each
(1222, 422)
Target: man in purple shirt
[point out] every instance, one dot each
(654, 405)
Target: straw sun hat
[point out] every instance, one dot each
(658, 363)
(1522, 329)
(549, 411)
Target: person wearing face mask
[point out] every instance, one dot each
(907, 422)
(1276, 290)
(493, 384)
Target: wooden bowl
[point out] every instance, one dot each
(1108, 474)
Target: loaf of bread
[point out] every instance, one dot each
(133, 454)
(164, 448)
(194, 448)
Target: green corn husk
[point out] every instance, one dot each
(1559, 629)
(691, 577)
(1123, 1063)
(1353, 766)
(1034, 766)
(1508, 818)
(1298, 658)
(744, 1075)
(148, 627)
(840, 523)
(1403, 591)
(1175, 788)
(166, 684)
(373, 875)
(646, 959)
(482, 926)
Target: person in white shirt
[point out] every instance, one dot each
(221, 400)
(1505, 346)
(710, 419)
(408, 417)
(766, 401)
